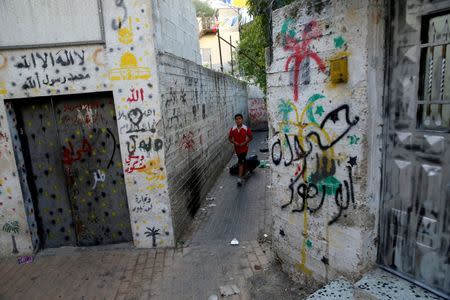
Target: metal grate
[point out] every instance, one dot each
(433, 108)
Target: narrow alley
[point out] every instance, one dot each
(202, 263)
(124, 134)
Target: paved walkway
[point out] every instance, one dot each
(197, 270)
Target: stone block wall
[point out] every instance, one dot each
(326, 141)
(198, 109)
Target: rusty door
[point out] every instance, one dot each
(78, 179)
(415, 214)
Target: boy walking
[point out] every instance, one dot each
(240, 136)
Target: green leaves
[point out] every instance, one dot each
(255, 37)
(253, 43)
(202, 9)
(11, 227)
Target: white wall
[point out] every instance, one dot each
(176, 28)
(324, 177)
(129, 61)
(198, 110)
(110, 68)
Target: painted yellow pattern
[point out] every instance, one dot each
(3, 90)
(125, 34)
(155, 174)
(303, 126)
(129, 69)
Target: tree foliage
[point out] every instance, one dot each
(255, 37)
(252, 44)
(202, 9)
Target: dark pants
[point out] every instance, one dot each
(242, 157)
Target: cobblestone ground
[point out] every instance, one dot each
(202, 263)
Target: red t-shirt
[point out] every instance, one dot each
(239, 135)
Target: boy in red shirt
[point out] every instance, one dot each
(240, 136)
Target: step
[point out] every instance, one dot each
(374, 285)
(380, 285)
(337, 289)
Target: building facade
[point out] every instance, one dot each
(101, 107)
(226, 23)
(357, 99)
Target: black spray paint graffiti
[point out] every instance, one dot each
(334, 116)
(152, 232)
(37, 81)
(309, 190)
(43, 60)
(111, 160)
(117, 24)
(144, 145)
(136, 123)
(143, 204)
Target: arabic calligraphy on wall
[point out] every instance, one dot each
(53, 71)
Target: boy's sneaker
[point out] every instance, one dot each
(239, 182)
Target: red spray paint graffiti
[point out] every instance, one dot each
(187, 142)
(134, 162)
(69, 154)
(301, 48)
(136, 95)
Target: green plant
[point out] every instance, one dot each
(255, 37)
(202, 9)
(252, 44)
(12, 227)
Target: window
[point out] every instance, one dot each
(206, 55)
(434, 101)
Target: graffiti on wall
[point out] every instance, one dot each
(311, 137)
(52, 71)
(309, 144)
(40, 62)
(301, 50)
(138, 122)
(257, 112)
(12, 228)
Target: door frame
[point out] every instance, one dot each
(430, 9)
(16, 105)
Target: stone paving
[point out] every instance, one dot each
(196, 270)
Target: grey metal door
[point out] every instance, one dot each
(78, 178)
(415, 213)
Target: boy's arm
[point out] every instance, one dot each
(230, 137)
(248, 138)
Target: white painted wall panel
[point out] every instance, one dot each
(37, 22)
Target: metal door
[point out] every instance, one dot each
(77, 172)
(415, 214)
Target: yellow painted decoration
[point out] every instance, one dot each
(155, 175)
(3, 90)
(129, 69)
(126, 34)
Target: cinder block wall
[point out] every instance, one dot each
(198, 108)
(257, 108)
(326, 137)
(176, 28)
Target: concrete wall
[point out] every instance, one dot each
(326, 140)
(124, 64)
(198, 109)
(257, 108)
(103, 68)
(176, 28)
